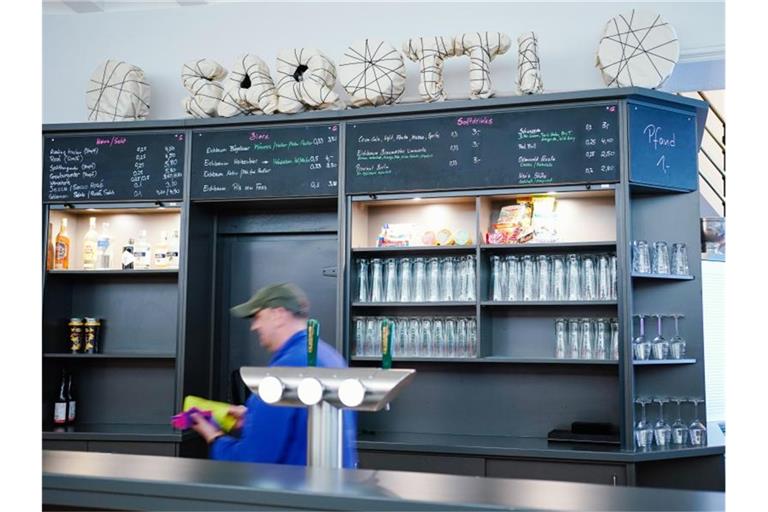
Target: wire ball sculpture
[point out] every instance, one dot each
(372, 72)
(117, 91)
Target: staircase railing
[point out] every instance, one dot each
(718, 187)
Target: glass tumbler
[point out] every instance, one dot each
(390, 280)
(433, 280)
(603, 277)
(529, 278)
(372, 334)
(414, 337)
(419, 280)
(461, 337)
(588, 278)
(660, 260)
(377, 280)
(573, 278)
(400, 345)
(602, 339)
(641, 258)
(560, 338)
(587, 339)
(514, 279)
(359, 335)
(406, 278)
(497, 293)
(470, 279)
(614, 270)
(438, 337)
(680, 259)
(574, 347)
(450, 337)
(614, 338)
(472, 348)
(362, 281)
(559, 288)
(426, 344)
(447, 279)
(543, 278)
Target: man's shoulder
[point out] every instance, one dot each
(327, 356)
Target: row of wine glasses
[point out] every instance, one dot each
(659, 347)
(664, 435)
(587, 338)
(443, 279)
(454, 337)
(645, 261)
(553, 278)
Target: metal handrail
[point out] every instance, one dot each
(712, 108)
(715, 138)
(717, 194)
(714, 164)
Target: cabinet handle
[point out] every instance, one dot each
(614, 480)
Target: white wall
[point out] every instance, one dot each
(161, 40)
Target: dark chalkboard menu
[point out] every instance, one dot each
(266, 162)
(663, 148)
(111, 167)
(483, 150)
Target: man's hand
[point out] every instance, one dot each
(238, 411)
(205, 428)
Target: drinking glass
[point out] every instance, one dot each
(377, 280)
(438, 337)
(362, 280)
(390, 280)
(660, 260)
(679, 429)
(359, 335)
(641, 258)
(372, 334)
(447, 279)
(450, 337)
(588, 278)
(401, 338)
(573, 277)
(680, 259)
(640, 345)
(419, 280)
(544, 278)
(471, 283)
(662, 432)
(497, 293)
(573, 338)
(414, 337)
(602, 339)
(461, 337)
(377, 345)
(560, 338)
(615, 339)
(406, 278)
(603, 277)
(433, 280)
(614, 269)
(529, 278)
(472, 348)
(677, 343)
(587, 339)
(514, 279)
(660, 347)
(697, 431)
(559, 288)
(425, 346)
(643, 429)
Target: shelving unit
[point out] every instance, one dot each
(83, 357)
(662, 276)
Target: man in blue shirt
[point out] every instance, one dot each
(277, 434)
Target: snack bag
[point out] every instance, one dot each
(219, 410)
(544, 219)
(395, 235)
(513, 225)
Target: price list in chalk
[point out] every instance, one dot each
(267, 162)
(109, 167)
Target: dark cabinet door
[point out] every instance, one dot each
(424, 463)
(585, 472)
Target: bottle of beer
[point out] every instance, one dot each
(71, 402)
(60, 406)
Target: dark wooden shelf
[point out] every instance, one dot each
(558, 245)
(67, 355)
(538, 303)
(417, 248)
(492, 359)
(115, 272)
(411, 304)
(661, 276)
(653, 362)
(114, 432)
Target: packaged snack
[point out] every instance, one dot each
(544, 221)
(513, 225)
(395, 235)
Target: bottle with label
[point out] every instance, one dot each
(71, 402)
(60, 405)
(104, 248)
(89, 246)
(51, 251)
(173, 250)
(142, 252)
(160, 252)
(128, 258)
(61, 254)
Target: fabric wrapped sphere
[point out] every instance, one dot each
(482, 48)
(430, 53)
(202, 78)
(637, 49)
(117, 92)
(248, 89)
(305, 79)
(372, 72)
(528, 65)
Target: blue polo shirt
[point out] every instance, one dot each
(278, 434)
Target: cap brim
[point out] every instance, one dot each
(243, 310)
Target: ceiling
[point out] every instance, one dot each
(90, 6)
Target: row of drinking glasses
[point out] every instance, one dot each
(419, 336)
(662, 434)
(416, 279)
(645, 261)
(587, 338)
(553, 278)
(659, 347)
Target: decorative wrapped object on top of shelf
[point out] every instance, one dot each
(528, 65)
(482, 48)
(430, 52)
(117, 92)
(248, 89)
(305, 79)
(637, 49)
(372, 72)
(202, 79)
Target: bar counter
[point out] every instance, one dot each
(107, 481)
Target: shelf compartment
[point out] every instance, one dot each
(65, 355)
(412, 304)
(113, 432)
(114, 272)
(493, 359)
(462, 249)
(662, 276)
(539, 303)
(606, 245)
(655, 362)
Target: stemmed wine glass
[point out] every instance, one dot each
(662, 432)
(643, 429)
(677, 343)
(642, 347)
(697, 430)
(679, 429)
(660, 345)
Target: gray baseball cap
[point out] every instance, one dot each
(286, 295)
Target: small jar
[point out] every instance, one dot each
(92, 331)
(76, 335)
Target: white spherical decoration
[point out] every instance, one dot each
(372, 72)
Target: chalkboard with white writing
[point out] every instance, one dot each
(569, 145)
(113, 167)
(293, 161)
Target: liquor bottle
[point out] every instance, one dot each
(160, 252)
(104, 248)
(60, 406)
(173, 250)
(142, 251)
(61, 256)
(89, 246)
(128, 258)
(49, 256)
(71, 403)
